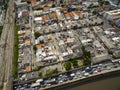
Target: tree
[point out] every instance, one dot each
(94, 12)
(86, 56)
(83, 48)
(106, 3)
(34, 48)
(62, 5)
(75, 63)
(37, 34)
(110, 52)
(87, 61)
(67, 65)
(53, 5)
(15, 58)
(40, 74)
(75, 27)
(1, 27)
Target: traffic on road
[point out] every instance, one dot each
(62, 78)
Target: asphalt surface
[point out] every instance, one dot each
(66, 78)
(6, 48)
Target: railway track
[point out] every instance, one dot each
(6, 49)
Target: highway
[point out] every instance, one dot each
(6, 48)
(104, 68)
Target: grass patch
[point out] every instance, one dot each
(50, 73)
(15, 58)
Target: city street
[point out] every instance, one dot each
(68, 77)
(50, 43)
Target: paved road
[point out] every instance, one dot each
(6, 48)
(74, 80)
(18, 85)
(32, 36)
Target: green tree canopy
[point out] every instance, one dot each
(37, 34)
(67, 65)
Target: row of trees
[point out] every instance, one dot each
(15, 58)
(72, 62)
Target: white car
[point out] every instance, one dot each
(61, 81)
(95, 71)
(72, 75)
(108, 68)
(86, 74)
